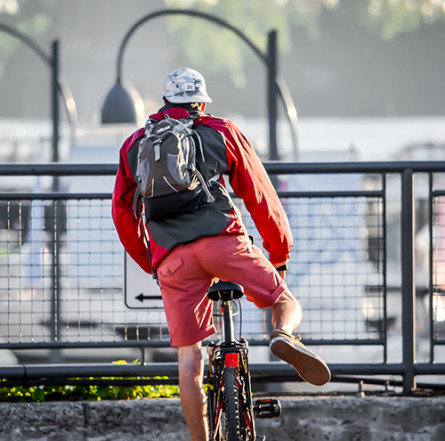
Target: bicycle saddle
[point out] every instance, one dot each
(225, 291)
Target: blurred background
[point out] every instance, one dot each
(367, 80)
(367, 76)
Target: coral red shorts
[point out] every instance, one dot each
(186, 273)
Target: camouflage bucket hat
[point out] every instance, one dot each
(185, 85)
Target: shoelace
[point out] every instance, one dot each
(293, 337)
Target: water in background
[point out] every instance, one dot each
(319, 139)
(345, 139)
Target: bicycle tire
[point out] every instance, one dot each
(232, 411)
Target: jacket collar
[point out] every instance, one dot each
(175, 112)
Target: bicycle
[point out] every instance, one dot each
(229, 397)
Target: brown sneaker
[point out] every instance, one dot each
(310, 367)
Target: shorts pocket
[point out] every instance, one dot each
(169, 268)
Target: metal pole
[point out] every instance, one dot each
(272, 102)
(408, 283)
(228, 329)
(55, 99)
(53, 218)
(272, 106)
(62, 86)
(385, 267)
(431, 264)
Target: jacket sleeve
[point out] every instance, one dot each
(251, 182)
(128, 227)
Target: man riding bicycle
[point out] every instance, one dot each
(189, 251)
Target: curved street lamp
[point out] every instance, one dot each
(59, 85)
(122, 105)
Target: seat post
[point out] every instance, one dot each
(226, 292)
(228, 333)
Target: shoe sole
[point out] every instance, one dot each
(310, 368)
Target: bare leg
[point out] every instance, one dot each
(191, 369)
(286, 313)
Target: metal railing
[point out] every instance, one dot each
(369, 252)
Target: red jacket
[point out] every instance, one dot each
(226, 152)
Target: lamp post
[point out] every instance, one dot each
(58, 86)
(122, 105)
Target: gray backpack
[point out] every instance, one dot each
(168, 180)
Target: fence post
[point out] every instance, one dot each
(54, 223)
(408, 283)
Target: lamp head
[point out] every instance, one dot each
(122, 105)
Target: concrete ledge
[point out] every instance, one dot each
(303, 419)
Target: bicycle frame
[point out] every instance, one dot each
(229, 403)
(230, 355)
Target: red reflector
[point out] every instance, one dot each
(232, 360)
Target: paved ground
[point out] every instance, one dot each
(327, 418)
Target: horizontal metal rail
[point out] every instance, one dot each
(266, 371)
(166, 344)
(52, 196)
(274, 168)
(287, 194)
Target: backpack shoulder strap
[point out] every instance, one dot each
(149, 126)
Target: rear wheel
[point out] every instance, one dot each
(229, 401)
(232, 411)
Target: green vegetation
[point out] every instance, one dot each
(89, 392)
(81, 393)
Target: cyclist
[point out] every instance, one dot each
(190, 251)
